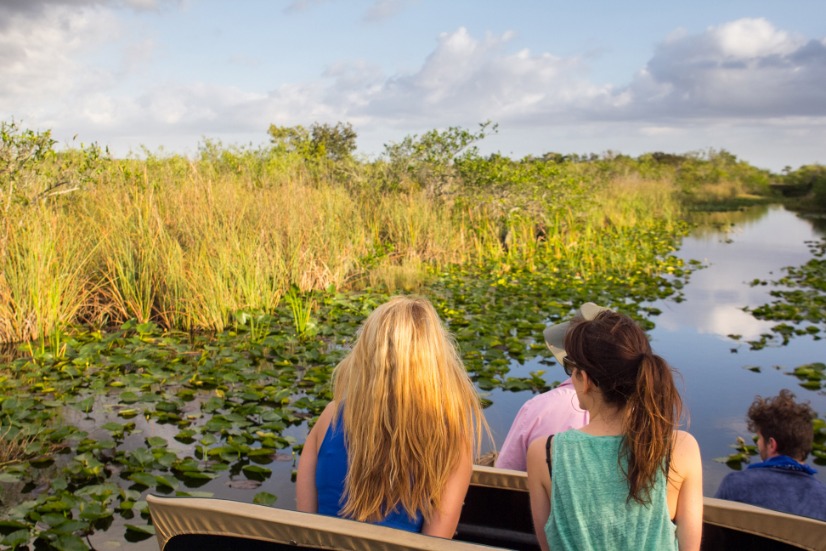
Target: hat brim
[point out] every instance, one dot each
(555, 334)
(555, 339)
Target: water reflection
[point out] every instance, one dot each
(747, 250)
(753, 249)
(716, 224)
(720, 375)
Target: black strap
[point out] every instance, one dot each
(548, 455)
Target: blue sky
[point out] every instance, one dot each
(571, 77)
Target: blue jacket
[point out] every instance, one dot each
(774, 485)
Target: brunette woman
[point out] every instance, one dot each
(628, 479)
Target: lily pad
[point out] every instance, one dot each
(264, 498)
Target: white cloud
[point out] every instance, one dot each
(12, 10)
(734, 81)
(138, 55)
(657, 130)
(38, 73)
(753, 38)
(297, 6)
(745, 68)
(146, 5)
(469, 80)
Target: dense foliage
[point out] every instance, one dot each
(174, 317)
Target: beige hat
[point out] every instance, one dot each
(555, 334)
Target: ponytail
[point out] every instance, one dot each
(616, 354)
(650, 420)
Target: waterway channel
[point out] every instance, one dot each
(720, 375)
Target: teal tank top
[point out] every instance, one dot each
(589, 500)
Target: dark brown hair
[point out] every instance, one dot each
(614, 351)
(789, 423)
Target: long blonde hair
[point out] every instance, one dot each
(409, 409)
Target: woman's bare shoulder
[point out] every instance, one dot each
(685, 441)
(686, 453)
(535, 456)
(328, 414)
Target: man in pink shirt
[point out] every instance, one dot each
(550, 412)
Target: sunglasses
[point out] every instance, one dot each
(568, 365)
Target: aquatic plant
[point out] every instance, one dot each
(187, 242)
(742, 454)
(811, 376)
(163, 358)
(801, 301)
(302, 311)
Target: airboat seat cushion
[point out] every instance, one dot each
(800, 531)
(205, 523)
(738, 518)
(494, 477)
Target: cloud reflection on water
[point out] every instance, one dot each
(756, 248)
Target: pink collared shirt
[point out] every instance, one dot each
(548, 413)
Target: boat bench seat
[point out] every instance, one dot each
(496, 514)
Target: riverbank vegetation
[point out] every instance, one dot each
(169, 319)
(185, 243)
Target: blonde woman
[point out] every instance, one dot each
(628, 479)
(395, 446)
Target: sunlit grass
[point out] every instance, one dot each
(44, 279)
(188, 243)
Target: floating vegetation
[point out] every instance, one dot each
(139, 409)
(801, 305)
(101, 398)
(811, 376)
(498, 312)
(18, 444)
(742, 454)
(819, 447)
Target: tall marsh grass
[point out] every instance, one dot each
(45, 280)
(186, 243)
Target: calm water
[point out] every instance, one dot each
(718, 383)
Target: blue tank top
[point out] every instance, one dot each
(330, 472)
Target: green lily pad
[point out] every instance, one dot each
(256, 472)
(136, 533)
(144, 479)
(16, 538)
(264, 498)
